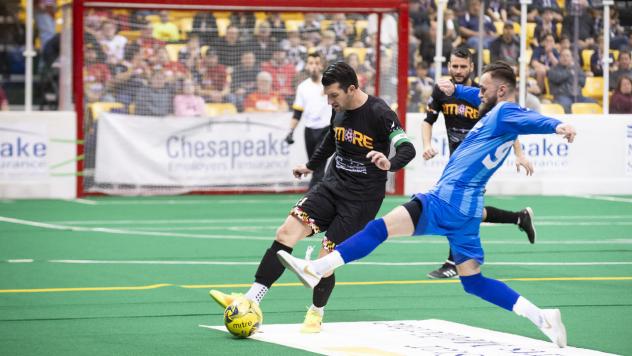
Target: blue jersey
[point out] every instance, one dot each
(483, 150)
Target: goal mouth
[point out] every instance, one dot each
(135, 58)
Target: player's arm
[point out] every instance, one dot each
(326, 148)
(526, 122)
(296, 117)
(404, 149)
(432, 113)
(521, 159)
(426, 134)
(463, 92)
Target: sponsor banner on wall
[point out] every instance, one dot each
(240, 149)
(38, 155)
(598, 162)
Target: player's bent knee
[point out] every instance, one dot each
(290, 234)
(473, 284)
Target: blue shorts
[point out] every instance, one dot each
(440, 218)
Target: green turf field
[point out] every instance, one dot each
(130, 276)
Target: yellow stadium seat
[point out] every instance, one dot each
(517, 28)
(361, 52)
(293, 25)
(130, 35)
(586, 54)
(260, 16)
(292, 16)
(173, 49)
(558, 29)
(593, 88)
(222, 25)
(499, 27)
(615, 54)
(530, 31)
(221, 14)
(361, 25)
(185, 25)
(552, 109)
(217, 109)
(586, 108)
(486, 56)
(97, 108)
(152, 18)
(547, 91)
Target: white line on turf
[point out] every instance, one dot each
(606, 198)
(23, 260)
(82, 201)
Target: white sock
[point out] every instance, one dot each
(320, 310)
(257, 292)
(328, 263)
(524, 307)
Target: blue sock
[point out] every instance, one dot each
(491, 290)
(363, 242)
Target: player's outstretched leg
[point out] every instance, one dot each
(270, 269)
(522, 218)
(447, 270)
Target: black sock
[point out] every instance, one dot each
(450, 259)
(495, 215)
(323, 290)
(270, 269)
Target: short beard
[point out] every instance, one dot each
(314, 75)
(484, 108)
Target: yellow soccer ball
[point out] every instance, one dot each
(243, 318)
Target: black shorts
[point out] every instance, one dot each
(322, 210)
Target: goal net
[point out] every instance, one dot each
(198, 98)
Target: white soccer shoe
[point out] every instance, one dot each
(553, 327)
(302, 268)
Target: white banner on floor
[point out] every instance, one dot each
(598, 162)
(240, 149)
(37, 154)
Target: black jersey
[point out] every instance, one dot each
(459, 115)
(352, 134)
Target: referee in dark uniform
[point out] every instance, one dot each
(362, 130)
(460, 116)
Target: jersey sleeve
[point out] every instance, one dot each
(469, 94)
(394, 130)
(299, 101)
(522, 121)
(433, 108)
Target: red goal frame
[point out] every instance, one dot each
(324, 6)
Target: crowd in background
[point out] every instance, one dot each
(174, 63)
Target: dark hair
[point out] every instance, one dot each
(341, 73)
(620, 81)
(462, 52)
(503, 71)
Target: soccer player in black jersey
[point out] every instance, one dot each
(460, 116)
(361, 131)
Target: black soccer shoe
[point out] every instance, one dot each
(525, 223)
(446, 271)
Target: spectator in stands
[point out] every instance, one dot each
(95, 68)
(468, 26)
(419, 17)
(165, 30)
(506, 47)
(172, 70)
(296, 52)
(451, 29)
(229, 48)
(112, 44)
(277, 26)
(328, 47)
(245, 22)
(344, 32)
(282, 72)
(623, 68)
(561, 82)
(496, 10)
(155, 99)
(621, 102)
(618, 36)
(191, 54)
(129, 76)
(264, 99)
(146, 41)
(363, 71)
(45, 20)
(188, 103)
(596, 59)
(538, 7)
(244, 79)
(388, 29)
(428, 45)
(205, 28)
(586, 33)
(546, 25)
(544, 57)
(4, 102)
(310, 29)
(420, 89)
(262, 43)
(214, 79)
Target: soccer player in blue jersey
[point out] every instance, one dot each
(454, 206)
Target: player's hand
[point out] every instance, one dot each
(301, 171)
(290, 137)
(522, 161)
(567, 131)
(429, 153)
(446, 86)
(379, 159)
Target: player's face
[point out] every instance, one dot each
(337, 98)
(460, 69)
(488, 94)
(314, 67)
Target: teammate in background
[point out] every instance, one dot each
(460, 116)
(362, 129)
(454, 207)
(311, 105)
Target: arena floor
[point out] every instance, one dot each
(130, 276)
